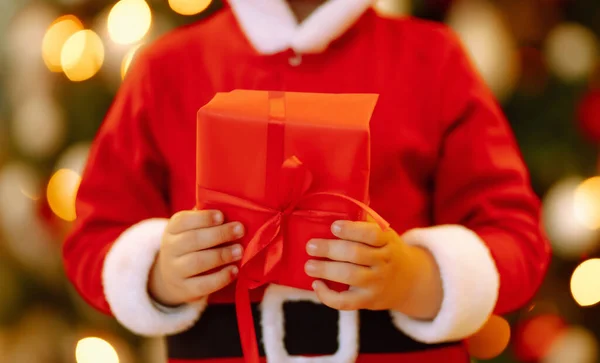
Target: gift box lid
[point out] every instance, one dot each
(327, 109)
(244, 137)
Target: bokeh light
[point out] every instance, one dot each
(585, 283)
(571, 51)
(491, 340)
(19, 183)
(62, 192)
(95, 350)
(127, 60)
(569, 237)
(189, 7)
(54, 39)
(129, 21)
(23, 34)
(490, 44)
(82, 55)
(38, 126)
(534, 337)
(587, 203)
(574, 345)
(113, 52)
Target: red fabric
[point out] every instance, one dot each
(303, 193)
(442, 151)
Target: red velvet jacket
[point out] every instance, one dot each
(446, 174)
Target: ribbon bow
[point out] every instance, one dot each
(295, 181)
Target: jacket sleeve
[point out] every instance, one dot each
(486, 238)
(122, 211)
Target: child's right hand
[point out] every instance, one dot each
(191, 246)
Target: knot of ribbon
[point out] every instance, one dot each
(293, 188)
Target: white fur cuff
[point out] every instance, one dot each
(469, 278)
(125, 278)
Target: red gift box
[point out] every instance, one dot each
(286, 165)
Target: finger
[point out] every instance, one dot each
(344, 251)
(199, 262)
(364, 232)
(203, 239)
(200, 286)
(345, 300)
(194, 219)
(342, 272)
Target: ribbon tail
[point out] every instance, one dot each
(273, 255)
(261, 239)
(246, 322)
(259, 242)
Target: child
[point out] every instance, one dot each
(446, 174)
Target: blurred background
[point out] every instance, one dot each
(61, 62)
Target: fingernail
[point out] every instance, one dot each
(314, 285)
(311, 248)
(310, 266)
(218, 218)
(238, 230)
(236, 252)
(336, 228)
(235, 270)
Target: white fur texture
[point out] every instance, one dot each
(469, 278)
(271, 26)
(125, 278)
(272, 323)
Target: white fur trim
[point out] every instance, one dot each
(469, 278)
(271, 26)
(125, 278)
(272, 322)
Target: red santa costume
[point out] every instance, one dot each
(446, 173)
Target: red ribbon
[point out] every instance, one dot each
(269, 239)
(291, 182)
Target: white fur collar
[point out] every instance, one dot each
(271, 26)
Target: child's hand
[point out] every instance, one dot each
(383, 272)
(189, 248)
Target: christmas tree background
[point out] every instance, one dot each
(62, 61)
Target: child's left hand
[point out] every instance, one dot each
(383, 272)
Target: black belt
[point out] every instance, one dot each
(310, 329)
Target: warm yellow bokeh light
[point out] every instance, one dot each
(189, 7)
(585, 283)
(82, 55)
(571, 51)
(61, 193)
(127, 60)
(587, 203)
(54, 39)
(129, 21)
(95, 350)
